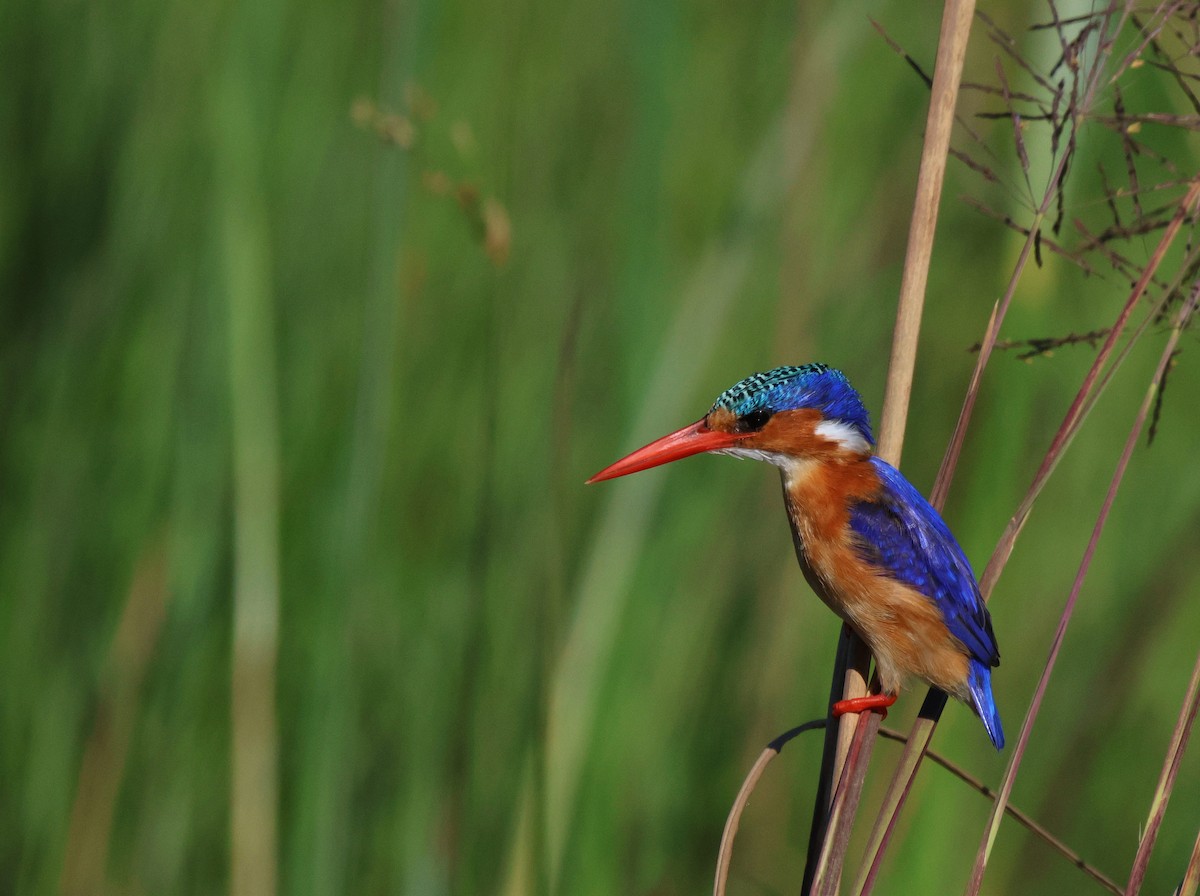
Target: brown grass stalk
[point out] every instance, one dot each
(1166, 784)
(773, 749)
(1191, 877)
(850, 764)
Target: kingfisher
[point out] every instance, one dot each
(870, 545)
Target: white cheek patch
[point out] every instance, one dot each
(844, 434)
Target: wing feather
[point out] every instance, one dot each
(900, 533)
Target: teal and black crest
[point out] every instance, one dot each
(817, 386)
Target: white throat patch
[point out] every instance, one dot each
(771, 457)
(791, 466)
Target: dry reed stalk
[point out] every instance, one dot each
(855, 733)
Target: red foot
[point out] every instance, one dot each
(876, 702)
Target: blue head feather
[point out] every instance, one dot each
(816, 386)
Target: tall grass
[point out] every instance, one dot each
(487, 677)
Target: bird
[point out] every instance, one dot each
(869, 544)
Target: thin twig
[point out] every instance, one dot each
(845, 805)
(1015, 117)
(1043, 345)
(902, 53)
(1034, 232)
(773, 749)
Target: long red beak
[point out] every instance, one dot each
(694, 439)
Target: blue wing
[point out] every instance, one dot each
(900, 532)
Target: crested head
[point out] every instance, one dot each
(752, 402)
(792, 417)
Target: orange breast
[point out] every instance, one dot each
(903, 627)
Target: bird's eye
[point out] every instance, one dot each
(753, 421)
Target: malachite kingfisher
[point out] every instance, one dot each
(872, 548)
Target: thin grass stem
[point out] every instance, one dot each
(843, 667)
(1166, 784)
(827, 878)
(773, 749)
(957, 16)
(1191, 877)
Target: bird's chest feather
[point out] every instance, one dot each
(818, 496)
(903, 627)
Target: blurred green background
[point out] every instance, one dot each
(316, 316)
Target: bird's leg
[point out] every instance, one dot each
(875, 702)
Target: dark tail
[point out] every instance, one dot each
(979, 680)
